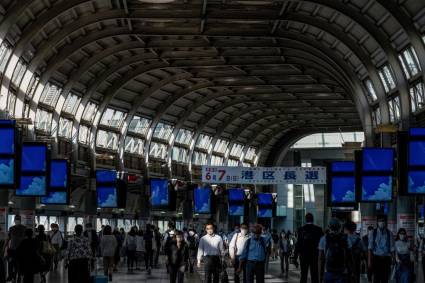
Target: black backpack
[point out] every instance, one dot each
(336, 252)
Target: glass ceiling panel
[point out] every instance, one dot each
(50, 95)
(237, 150)
(139, 125)
(204, 141)
(65, 128)
(108, 140)
(184, 136)
(221, 146)
(89, 112)
(163, 131)
(113, 118)
(180, 154)
(71, 103)
(158, 150)
(134, 145)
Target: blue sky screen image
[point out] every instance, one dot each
(236, 209)
(417, 153)
(265, 199)
(107, 197)
(202, 200)
(264, 212)
(343, 167)
(34, 158)
(417, 132)
(55, 198)
(106, 176)
(59, 174)
(159, 193)
(7, 171)
(7, 141)
(378, 159)
(416, 182)
(236, 195)
(377, 188)
(343, 189)
(32, 186)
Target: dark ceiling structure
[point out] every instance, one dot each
(250, 75)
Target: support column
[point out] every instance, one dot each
(406, 215)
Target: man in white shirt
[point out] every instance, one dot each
(209, 250)
(56, 239)
(236, 246)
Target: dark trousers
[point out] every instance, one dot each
(176, 273)
(255, 269)
(78, 271)
(237, 275)
(28, 277)
(157, 252)
(148, 258)
(331, 277)
(12, 264)
(212, 269)
(381, 266)
(131, 259)
(309, 262)
(284, 262)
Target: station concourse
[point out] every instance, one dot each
(140, 121)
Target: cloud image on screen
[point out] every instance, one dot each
(7, 171)
(378, 159)
(416, 182)
(7, 141)
(34, 158)
(377, 188)
(264, 212)
(106, 197)
(159, 193)
(32, 186)
(343, 166)
(236, 210)
(417, 153)
(343, 189)
(106, 176)
(265, 199)
(202, 200)
(236, 195)
(55, 198)
(59, 174)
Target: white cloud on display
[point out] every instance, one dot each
(417, 189)
(37, 187)
(6, 173)
(384, 192)
(205, 207)
(55, 198)
(111, 201)
(349, 196)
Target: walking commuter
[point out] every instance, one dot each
(381, 251)
(236, 246)
(178, 258)
(421, 250)
(16, 236)
(268, 239)
(140, 249)
(333, 255)
(130, 245)
(117, 256)
(28, 257)
(91, 235)
(148, 239)
(405, 267)
(210, 249)
(78, 257)
(284, 250)
(365, 240)
(157, 243)
(254, 256)
(275, 245)
(46, 250)
(192, 240)
(56, 238)
(3, 240)
(308, 240)
(356, 252)
(236, 229)
(108, 246)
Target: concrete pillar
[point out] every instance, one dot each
(368, 216)
(406, 215)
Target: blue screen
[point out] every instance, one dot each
(202, 200)
(7, 141)
(59, 174)
(159, 192)
(378, 159)
(264, 212)
(377, 188)
(32, 186)
(106, 176)
(7, 171)
(416, 183)
(236, 195)
(265, 199)
(417, 153)
(236, 210)
(343, 166)
(417, 132)
(55, 198)
(34, 158)
(106, 197)
(343, 189)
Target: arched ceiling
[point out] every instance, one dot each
(247, 71)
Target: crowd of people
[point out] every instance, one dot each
(335, 255)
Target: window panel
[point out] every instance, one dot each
(221, 146)
(11, 99)
(50, 94)
(180, 154)
(89, 112)
(410, 62)
(376, 117)
(71, 103)
(158, 150)
(84, 134)
(112, 118)
(134, 145)
(371, 90)
(387, 78)
(233, 162)
(251, 154)
(203, 142)
(32, 86)
(217, 160)
(43, 120)
(199, 158)
(139, 125)
(184, 136)
(163, 131)
(394, 108)
(65, 128)
(108, 140)
(19, 72)
(417, 97)
(5, 52)
(322, 140)
(237, 150)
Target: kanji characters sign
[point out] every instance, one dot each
(263, 175)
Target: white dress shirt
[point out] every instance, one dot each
(237, 243)
(210, 245)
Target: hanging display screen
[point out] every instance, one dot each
(7, 140)
(236, 209)
(106, 197)
(34, 158)
(264, 212)
(106, 176)
(236, 195)
(7, 171)
(343, 167)
(159, 193)
(265, 199)
(377, 188)
(378, 159)
(417, 153)
(343, 189)
(202, 200)
(55, 197)
(59, 173)
(32, 186)
(416, 182)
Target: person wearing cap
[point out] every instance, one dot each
(381, 251)
(253, 257)
(16, 236)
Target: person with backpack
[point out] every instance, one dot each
(236, 246)
(355, 252)
(381, 251)
(253, 257)
(130, 245)
(148, 239)
(308, 240)
(56, 239)
(192, 240)
(284, 250)
(28, 257)
(405, 266)
(91, 235)
(333, 255)
(158, 239)
(46, 250)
